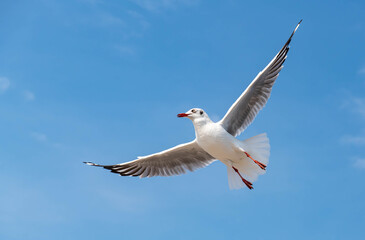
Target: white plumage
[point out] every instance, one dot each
(245, 160)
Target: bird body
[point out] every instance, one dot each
(216, 141)
(245, 160)
(221, 145)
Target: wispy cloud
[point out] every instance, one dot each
(126, 23)
(122, 202)
(353, 140)
(109, 19)
(21, 203)
(362, 71)
(4, 84)
(92, 2)
(28, 95)
(356, 105)
(126, 50)
(360, 163)
(41, 137)
(139, 17)
(158, 5)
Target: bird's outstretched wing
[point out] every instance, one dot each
(253, 99)
(173, 161)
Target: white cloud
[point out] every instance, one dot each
(122, 202)
(39, 136)
(361, 71)
(126, 50)
(21, 203)
(356, 105)
(92, 2)
(354, 140)
(4, 84)
(28, 95)
(360, 163)
(359, 106)
(109, 19)
(157, 5)
(140, 18)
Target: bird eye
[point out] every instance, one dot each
(193, 110)
(201, 112)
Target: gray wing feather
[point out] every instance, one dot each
(174, 161)
(253, 99)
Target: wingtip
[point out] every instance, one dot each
(92, 164)
(297, 26)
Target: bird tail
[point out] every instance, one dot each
(258, 147)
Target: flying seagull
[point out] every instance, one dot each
(245, 160)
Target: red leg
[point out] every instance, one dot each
(248, 184)
(261, 165)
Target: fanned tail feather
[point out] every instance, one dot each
(259, 148)
(234, 180)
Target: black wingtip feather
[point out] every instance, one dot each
(286, 45)
(110, 167)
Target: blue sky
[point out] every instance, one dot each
(102, 81)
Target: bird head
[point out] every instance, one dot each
(194, 113)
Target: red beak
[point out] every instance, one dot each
(182, 115)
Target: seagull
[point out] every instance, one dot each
(245, 160)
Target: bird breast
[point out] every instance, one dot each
(216, 141)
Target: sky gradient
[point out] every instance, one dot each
(102, 81)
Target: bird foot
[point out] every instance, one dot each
(248, 184)
(261, 165)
